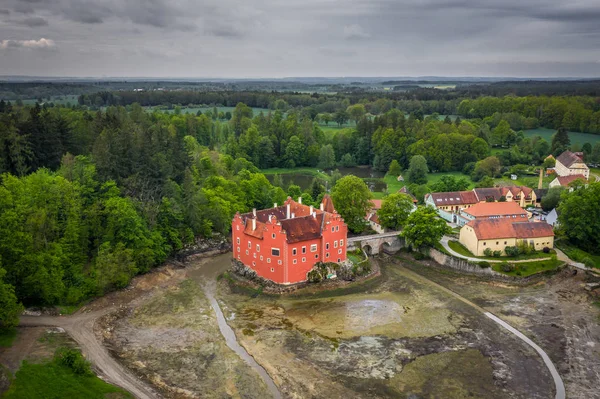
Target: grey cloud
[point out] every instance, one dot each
(33, 22)
(354, 32)
(4, 12)
(27, 44)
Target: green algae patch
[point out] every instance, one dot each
(386, 314)
(454, 374)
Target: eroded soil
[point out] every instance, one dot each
(397, 338)
(558, 315)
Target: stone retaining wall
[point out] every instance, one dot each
(463, 266)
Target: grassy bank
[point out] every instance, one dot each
(302, 171)
(51, 380)
(461, 249)
(7, 337)
(578, 255)
(528, 268)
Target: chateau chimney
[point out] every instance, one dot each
(288, 211)
(254, 211)
(299, 200)
(293, 215)
(270, 216)
(314, 214)
(322, 207)
(541, 174)
(253, 224)
(311, 209)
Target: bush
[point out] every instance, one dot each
(484, 265)
(497, 254)
(419, 256)
(74, 360)
(511, 251)
(506, 267)
(588, 262)
(487, 252)
(546, 250)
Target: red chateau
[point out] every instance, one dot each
(283, 243)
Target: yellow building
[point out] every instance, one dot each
(497, 234)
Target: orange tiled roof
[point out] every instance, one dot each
(376, 203)
(489, 229)
(484, 209)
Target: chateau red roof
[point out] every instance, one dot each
(489, 229)
(568, 158)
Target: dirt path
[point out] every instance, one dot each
(560, 387)
(81, 328)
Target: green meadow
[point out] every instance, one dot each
(576, 137)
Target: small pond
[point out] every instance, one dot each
(373, 178)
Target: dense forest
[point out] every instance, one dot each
(94, 193)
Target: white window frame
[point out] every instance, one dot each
(295, 261)
(294, 251)
(279, 262)
(339, 251)
(303, 259)
(272, 270)
(313, 247)
(341, 243)
(249, 244)
(335, 244)
(303, 250)
(327, 246)
(268, 260)
(275, 249)
(257, 247)
(238, 240)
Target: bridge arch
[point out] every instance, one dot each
(368, 249)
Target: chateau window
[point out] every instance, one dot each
(332, 229)
(273, 235)
(335, 244)
(294, 251)
(239, 257)
(238, 241)
(341, 243)
(327, 246)
(295, 261)
(272, 270)
(303, 250)
(261, 258)
(246, 252)
(257, 248)
(339, 251)
(275, 251)
(303, 259)
(254, 254)
(279, 262)
(327, 255)
(253, 263)
(249, 244)
(268, 260)
(313, 248)
(339, 260)
(337, 228)
(238, 249)
(316, 256)
(237, 227)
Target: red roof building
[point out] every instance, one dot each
(283, 243)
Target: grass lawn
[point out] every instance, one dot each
(53, 381)
(528, 268)
(434, 177)
(301, 171)
(461, 249)
(576, 254)
(575, 137)
(7, 337)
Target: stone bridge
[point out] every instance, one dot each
(389, 243)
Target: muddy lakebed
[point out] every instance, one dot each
(391, 336)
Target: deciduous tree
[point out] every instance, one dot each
(351, 198)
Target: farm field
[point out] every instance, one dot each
(576, 137)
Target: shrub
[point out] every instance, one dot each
(497, 254)
(506, 267)
(546, 250)
(74, 360)
(588, 262)
(487, 252)
(314, 276)
(419, 256)
(511, 251)
(483, 264)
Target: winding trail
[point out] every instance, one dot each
(558, 382)
(81, 328)
(232, 343)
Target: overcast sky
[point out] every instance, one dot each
(280, 38)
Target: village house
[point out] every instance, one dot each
(569, 163)
(283, 243)
(497, 234)
(372, 217)
(492, 210)
(450, 204)
(565, 181)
